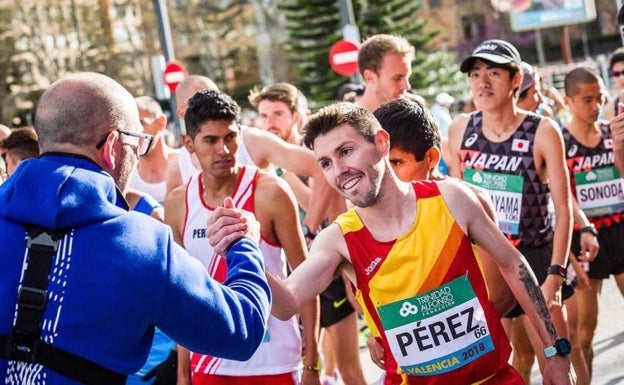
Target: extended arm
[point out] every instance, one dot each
(549, 156)
(472, 218)
(269, 148)
(617, 132)
(310, 278)
(229, 319)
(589, 242)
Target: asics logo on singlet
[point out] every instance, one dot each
(369, 270)
(407, 309)
(471, 140)
(572, 150)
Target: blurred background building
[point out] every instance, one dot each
(244, 43)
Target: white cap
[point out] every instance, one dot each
(443, 98)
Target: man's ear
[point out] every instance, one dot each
(382, 141)
(188, 143)
(368, 75)
(161, 121)
(432, 156)
(110, 150)
(516, 81)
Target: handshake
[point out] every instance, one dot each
(228, 224)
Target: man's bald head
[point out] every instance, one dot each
(77, 109)
(188, 87)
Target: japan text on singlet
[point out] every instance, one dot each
(280, 351)
(596, 183)
(507, 171)
(426, 295)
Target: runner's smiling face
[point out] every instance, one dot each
(351, 164)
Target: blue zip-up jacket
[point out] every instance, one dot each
(118, 274)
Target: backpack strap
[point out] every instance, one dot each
(24, 344)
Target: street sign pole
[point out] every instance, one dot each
(164, 34)
(350, 30)
(620, 18)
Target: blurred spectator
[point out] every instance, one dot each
(19, 145)
(530, 96)
(350, 92)
(616, 71)
(467, 105)
(441, 112)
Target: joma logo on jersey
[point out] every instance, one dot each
(585, 163)
(493, 162)
(199, 233)
(369, 270)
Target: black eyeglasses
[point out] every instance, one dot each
(143, 141)
(616, 74)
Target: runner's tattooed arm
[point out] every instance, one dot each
(535, 293)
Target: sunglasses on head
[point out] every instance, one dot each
(616, 74)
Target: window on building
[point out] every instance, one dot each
(473, 27)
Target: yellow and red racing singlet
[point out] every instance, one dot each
(426, 295)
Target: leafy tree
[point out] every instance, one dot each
(44, 40)
(313, 26)
(401, 17)
(215, 30)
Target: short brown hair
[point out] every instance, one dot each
(376, 47)
(278, 92)
(337, 114)
(22, 142)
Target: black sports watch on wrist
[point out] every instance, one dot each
(307, 233)
(561, 348)
(589, 229)
(557, 270)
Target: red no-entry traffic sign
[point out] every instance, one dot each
(343, 57)
(173, 74)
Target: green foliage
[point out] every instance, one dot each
(214, 28)
(401, 17)
(313, 26)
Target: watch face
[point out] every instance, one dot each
(563, 347)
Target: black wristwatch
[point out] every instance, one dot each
(589, 229)
(561, 348)
(558, 270)
(307, 233)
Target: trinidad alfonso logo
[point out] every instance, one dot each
(407, 309)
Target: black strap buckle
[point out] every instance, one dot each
(31, 298)
(42, 240)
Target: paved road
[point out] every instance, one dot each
(608, 343)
